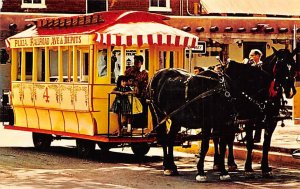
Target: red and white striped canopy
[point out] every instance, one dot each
(140, 33)
(138, 28)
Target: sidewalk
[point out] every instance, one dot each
(283, 139)
(283, 143)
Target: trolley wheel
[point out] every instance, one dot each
(140, 149)
(85, 148)
(42, 141)
(104, 147)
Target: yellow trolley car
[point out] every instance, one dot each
(61, 78)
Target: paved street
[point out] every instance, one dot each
(23, 167)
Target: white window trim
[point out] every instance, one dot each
(41, 5)
(161, 9)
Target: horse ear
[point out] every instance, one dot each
(274, 50)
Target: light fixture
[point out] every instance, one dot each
(260, 26)
(242, 29)
(254, 29)
(12, 29)
(240, 43)
(269, 29)
(12, 26)
(214, 29)
(28, 26)
(228, 29)
(186, 28)
(199, 29)
(283, 30)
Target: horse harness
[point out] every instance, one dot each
(221, 87)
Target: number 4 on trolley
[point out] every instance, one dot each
(45, 95)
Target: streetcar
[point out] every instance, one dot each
(61, 82)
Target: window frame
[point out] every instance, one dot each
(34, 5)
(160, 9)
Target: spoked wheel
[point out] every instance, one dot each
(41, 141)
(140, 149)
(85, 148)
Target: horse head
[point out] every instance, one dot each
(283, 70)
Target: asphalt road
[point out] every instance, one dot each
(21, 166)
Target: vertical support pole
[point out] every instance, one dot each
(155, 59)
(91, 66)
(60, 65)
(23, 65)
(108, 63)
(176, 59)
(181, 59)
(14, 65)
(69, 63)
(190, 60)
(75, 64)
(123, 60)
(47, 65)
(151, 61)
(168, 59)
(34, 64)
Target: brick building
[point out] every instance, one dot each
(168, 7)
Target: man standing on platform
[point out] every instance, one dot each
(140, 82)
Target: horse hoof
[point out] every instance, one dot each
(201, 178)
(232, 168)
(267, 175)
(216, 168)
(169, 172)
(225, 178)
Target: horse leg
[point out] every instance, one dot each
(201, 177)
(266, 170)
(170, 167)
(232, 166)
(216, 166)
(249, 145)
(224, 176)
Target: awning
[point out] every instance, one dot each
(272, 7)
(138, 28)
(116, 28)
(145, 33)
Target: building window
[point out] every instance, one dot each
(160, 5)
(33, 4)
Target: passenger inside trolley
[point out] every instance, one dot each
(121, 104)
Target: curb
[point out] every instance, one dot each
(240, 152)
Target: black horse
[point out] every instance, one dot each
(258, 94)
(190, 101)
(212, 101)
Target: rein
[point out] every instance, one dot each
(200, 96)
